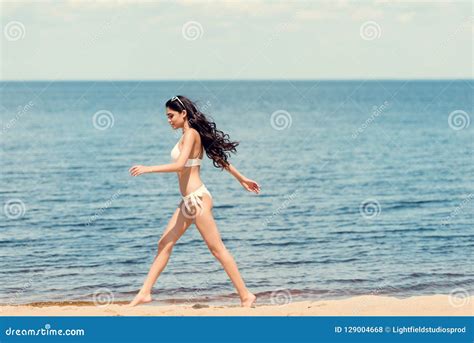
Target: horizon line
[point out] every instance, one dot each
(236, 80)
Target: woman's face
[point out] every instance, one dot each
(175, 119)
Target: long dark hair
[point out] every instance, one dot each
(216, 143)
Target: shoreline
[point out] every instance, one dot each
(366, 305)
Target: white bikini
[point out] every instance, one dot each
(193, 199)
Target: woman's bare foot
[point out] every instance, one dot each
(140, 299)
(248, 300)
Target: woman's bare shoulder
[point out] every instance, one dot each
(194, 133)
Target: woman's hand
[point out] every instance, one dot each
(250, 185)
(138, 170)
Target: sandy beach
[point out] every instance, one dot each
(370, 305)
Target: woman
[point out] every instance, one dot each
(196, 204)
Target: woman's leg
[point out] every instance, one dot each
(175, 229)
(208, 229)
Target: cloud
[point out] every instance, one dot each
(367, 13)
(251, 8)
(314, 15)
(406, 17)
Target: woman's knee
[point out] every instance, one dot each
(219, 251)
(165, 245)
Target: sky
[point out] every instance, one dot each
(211, 40)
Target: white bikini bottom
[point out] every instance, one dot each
(193, 200)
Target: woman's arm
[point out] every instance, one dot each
(188, 142)
(250, 185)
(235, 173)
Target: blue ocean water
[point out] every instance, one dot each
(366, 189)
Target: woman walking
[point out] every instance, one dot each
(199, 134)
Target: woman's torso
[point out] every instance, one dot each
(189, 178)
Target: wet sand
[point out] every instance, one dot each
(369, 305)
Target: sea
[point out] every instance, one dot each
(366, 189)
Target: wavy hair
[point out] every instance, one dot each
(216, 143)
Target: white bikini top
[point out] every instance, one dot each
(191, 162)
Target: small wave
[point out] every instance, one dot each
(434, 275)
(350, 280)
(448, 238)
(411, 204)
(290, 243)
(130, 261)
(291, 263)
(223, 206)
